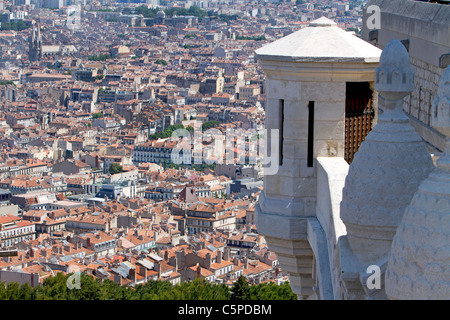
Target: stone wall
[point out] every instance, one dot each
(426, 82)
(20, 277)
(425, 30)
(331, 174)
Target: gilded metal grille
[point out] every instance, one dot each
(359, 114)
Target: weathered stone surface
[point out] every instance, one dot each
(321, 41)
(294, 75)
(419, 263)
(388, 167)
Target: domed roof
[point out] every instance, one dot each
(395, 55)
(384, 174)
(419, 262)
(394, 76)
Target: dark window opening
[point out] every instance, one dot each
(359, 114)
(310, 156)
(281, 134)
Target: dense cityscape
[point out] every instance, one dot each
(199, 149)
(91, 94)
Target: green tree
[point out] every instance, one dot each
(197, 12)
(12, 291)
(8, 82)
(209, 124)
(54, 288)
(240, 289)
(25, 292)
(13, 25)
(271, 291)
(258, 38)
(167, 133)
(5, 26)
(190, 129)
(198, 289)
(161, 61)
(99, 57)
(89, 289)
(115, 168)
(2, 291)
(146, 12)
(154, 290)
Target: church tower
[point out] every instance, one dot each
(35, 42)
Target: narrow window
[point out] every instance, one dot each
(310, 133)
(281, 133)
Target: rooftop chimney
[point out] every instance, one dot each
(118, 279)
(133, 275)
(158, 267)
(208, 260)
(226, 253)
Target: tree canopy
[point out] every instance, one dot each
(13, 25)
(209, 124)
(167, 133)
(99, 57)
(115, 168)
(55, 288)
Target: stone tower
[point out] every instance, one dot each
(308, 74)
(383, 176)
(35, 42)
(418, 266)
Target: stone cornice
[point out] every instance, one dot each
(319, 71)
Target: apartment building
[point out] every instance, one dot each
(249, 91)
(166, 151)
(14, 230)
(206, 218)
